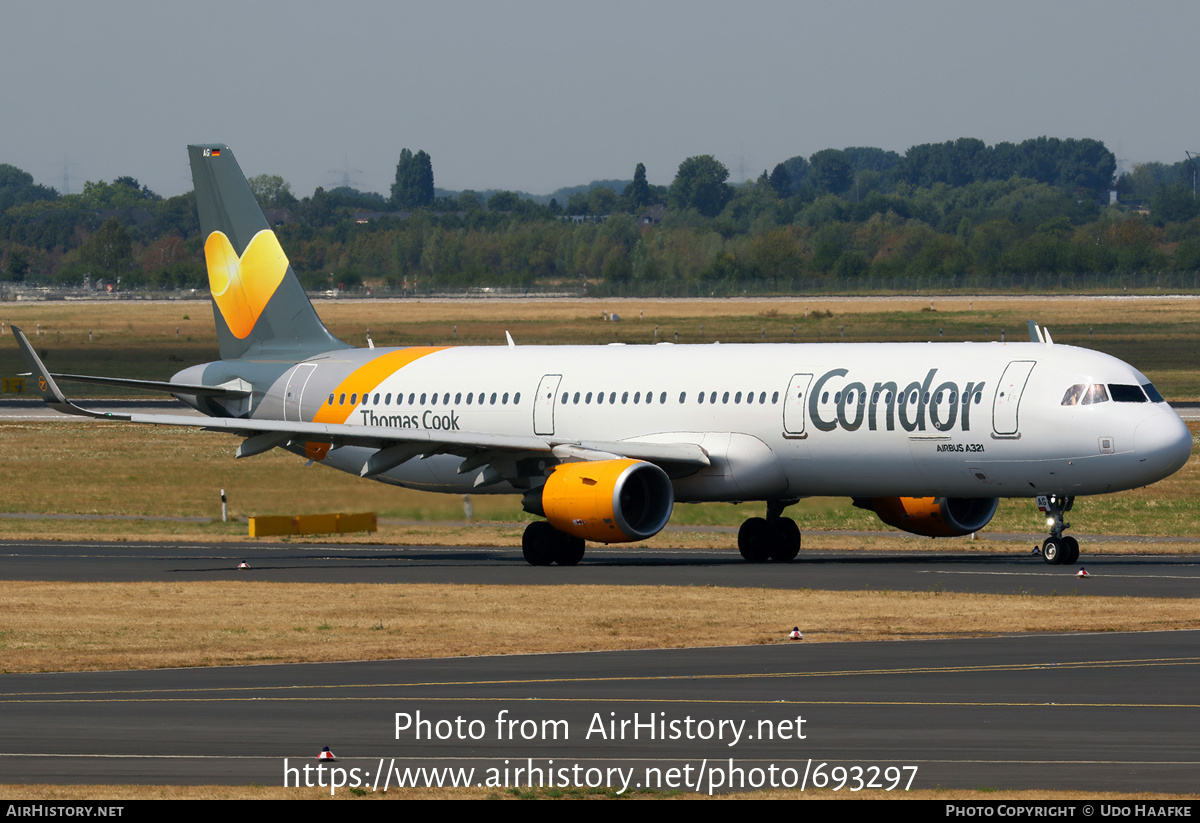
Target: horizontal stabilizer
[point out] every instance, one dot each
(190, 389)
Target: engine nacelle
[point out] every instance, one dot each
(933, 516)
(607, 501)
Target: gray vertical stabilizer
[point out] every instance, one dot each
(259, 306)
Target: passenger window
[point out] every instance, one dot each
(588, 399)
(737, 398)
(387, 399)
(725, 397)
(342, 399)
(576, 400)
(624, 398)
(662, 398)
(331, 399)
(775, 397)
(637, 398)
(517, 399)
(493, 401)
(504, 400)
(354, 399)
(564, 398)
(457, 398)
(470, 397)
(682, 396)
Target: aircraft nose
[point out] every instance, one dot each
(1163, 444)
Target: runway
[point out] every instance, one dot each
(1085, 712)
(1012, 571)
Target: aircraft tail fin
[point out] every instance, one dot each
(258, 303)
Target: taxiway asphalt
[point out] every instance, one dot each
(1111, 712)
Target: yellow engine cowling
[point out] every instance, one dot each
(933, 516)
(606, 501)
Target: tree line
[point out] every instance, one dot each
(954, 209)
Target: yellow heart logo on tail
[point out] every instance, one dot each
(242, 286)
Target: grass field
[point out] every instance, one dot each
(153, 340)
(88, 467)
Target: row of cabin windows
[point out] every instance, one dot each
(483, 399)
(648, 397)
(911, 397)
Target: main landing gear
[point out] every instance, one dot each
(1058, 549)
(771, 538)
(542, 544)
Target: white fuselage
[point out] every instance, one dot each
(776, 421)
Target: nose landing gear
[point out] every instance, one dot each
(1057, 549)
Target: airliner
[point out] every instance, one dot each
(602, 441)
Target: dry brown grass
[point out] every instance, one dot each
(122, 469)
(99, 626)
(153, 340)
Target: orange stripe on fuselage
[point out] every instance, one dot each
(366, 378)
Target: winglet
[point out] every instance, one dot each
(51, 393)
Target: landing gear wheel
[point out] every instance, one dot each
(754, 540)
(1058, 549)
(1053, 551)
(538, 543)
(1070, 550)
(785, 539)
(569, 550)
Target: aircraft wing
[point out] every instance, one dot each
(393, 446)
(262, 435)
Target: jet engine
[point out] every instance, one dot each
(933, 516)
(607, 501)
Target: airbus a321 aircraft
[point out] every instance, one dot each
(602, 441)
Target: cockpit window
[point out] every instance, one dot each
(1073, 395)
(1152, 393)
(1081, 394)
(1122, 393)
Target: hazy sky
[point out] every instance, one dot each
(537, 95)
